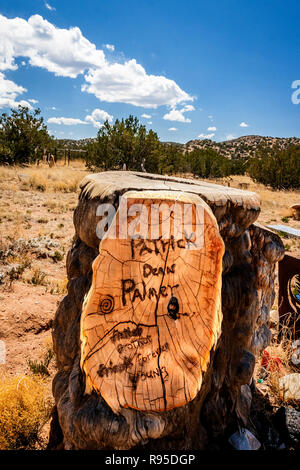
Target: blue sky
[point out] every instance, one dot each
(220, 69)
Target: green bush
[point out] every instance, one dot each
(23, 135)
(124, 142)
(41, 367)
(275, 167)
(208, 163)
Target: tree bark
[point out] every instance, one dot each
(156, 343)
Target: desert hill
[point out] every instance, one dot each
(242, 147)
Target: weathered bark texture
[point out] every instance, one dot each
(210, 355)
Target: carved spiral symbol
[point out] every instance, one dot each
(106, 304)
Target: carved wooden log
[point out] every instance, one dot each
(156, 338)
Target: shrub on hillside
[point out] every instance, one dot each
(275, 167)
(208, 163)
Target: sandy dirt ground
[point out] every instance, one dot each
(36, 230)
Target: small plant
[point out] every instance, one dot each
(282, 234)
(41, 367)
(37, 182)
(38, 277)
(60, 226)
(59, 287)
(42, 221)
(281, 347)
(57, 256)
(285, 219)
(16, 271)
(25, 407)
(38, 368)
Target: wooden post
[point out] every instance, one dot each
(157, 337)
(69, 156)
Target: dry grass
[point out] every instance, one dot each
(275, 205)
(55, 179)
(25, 407)
(44, 179)
(281, 349)
(38, 278)
(271, 199)
(57, 287)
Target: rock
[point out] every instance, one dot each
(295, 211)
(290, 386)
(287, 421)
(244, 404)
(296, 354)
(2, 352)
(272, 441)
(273, 318)
(244, 440)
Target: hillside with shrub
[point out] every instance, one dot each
(127, 144)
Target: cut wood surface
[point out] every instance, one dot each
(108, 183)
(153, 312)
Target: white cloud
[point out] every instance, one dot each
(129, 83)
(33, 101)
(212, 128)
(149, 122)
(109, 47)
(210, 117)
(173, 129)
(98, 115)
(178, 114)
(49, 7)
(146, 116)
(67, 53)
(65, 121)
(206, 136)
(243, 124)
(9, 91)
(230, 137)
(188, 107)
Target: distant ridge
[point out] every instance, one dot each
(75, 144)
(241, 147)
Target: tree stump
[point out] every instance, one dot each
(169, 293)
